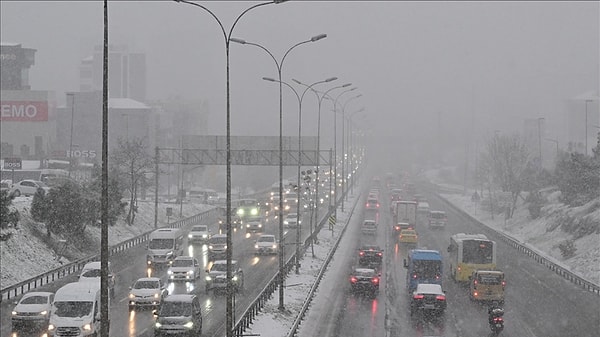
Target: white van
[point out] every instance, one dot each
(92, 271)
(164, 245)
(76, 310)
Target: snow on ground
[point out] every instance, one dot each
(272, 322)
(28, 253)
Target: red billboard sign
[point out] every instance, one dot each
(23, 111)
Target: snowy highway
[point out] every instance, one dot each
(538, 302)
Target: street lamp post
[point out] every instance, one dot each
(586, 125)
(556, 142)
(317, 182)
(351, 146)
(343, 148)
(279, 66)
(335, 175)
(227, 38)
(540, 138)
(300, 99)
(70, 156)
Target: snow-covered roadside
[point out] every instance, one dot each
(272, 322)
(26, 254)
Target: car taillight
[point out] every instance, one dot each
(418, 297)
(503, 283)
(414, 276)
(353, 279)
(498, 320)
(440, 297)
(475, 282)
(379, 254)
(361, 253)
(475, 294)
(375, 280)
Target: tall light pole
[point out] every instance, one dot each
(317, 182)
(351, 143)
(227, 38)
(298, 190)
(279, 66)
(539, 120)
(586, 125)
(556, 142)
(335, 174)
(343, 148)
(70, 156)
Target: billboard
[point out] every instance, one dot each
(24, 111)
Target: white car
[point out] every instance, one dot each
(184, 268)
(199, 233)
(291, 220)
(91, 273)
(33, 310)
(266, 244)
(27, 187)
(146, 292)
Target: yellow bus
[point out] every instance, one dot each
(470, 252)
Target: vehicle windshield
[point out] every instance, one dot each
(199, 229)
(219, 267)
(161, 244)
(218, 240)
(364, 273)
(91, 273)
(427, 269)
(146, 285)
(489, 279)
(172, 309)
(73, 309)
(266, 239)
(437, 215)
(475, 251)
(183, 263)
(35, 300)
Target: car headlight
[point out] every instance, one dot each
(86, 327)
(190, 236)
(157, 324)
(204, 235)
(189, 324)
(208, 278)
(169, 272)
(191, 272)
(157, 295)
(50, 327)
(14, 313)
(210, 247)
(131, 296)
(260, 225)
(255, 247)
(285, 222)
(274, 246)
(248, 226)
(235, 278)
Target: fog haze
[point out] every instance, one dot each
(468, 68)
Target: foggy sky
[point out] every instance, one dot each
(466, 66)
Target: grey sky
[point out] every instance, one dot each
(488, 63)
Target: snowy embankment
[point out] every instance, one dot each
(29, 252)
(545, 233)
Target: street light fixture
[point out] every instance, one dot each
(227, 38)
(343, 148)
(298, 190)
(317, 200)
(279, 66)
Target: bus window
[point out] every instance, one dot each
(478, 252)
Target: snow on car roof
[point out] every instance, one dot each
(428, 288)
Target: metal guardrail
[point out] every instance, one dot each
(76, 266)
(567, 274)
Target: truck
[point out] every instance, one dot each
(423, 266)
(164, 245)
(405, 212)
(76, 310)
